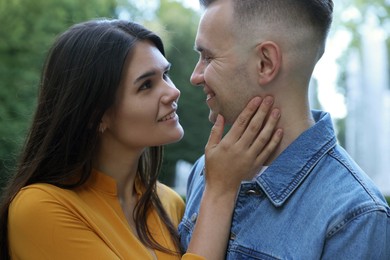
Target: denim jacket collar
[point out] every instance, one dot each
(286, 173)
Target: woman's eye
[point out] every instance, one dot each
(166, 75)
(146, 85)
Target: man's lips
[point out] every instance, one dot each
(209, 94)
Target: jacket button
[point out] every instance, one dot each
(252, 192)
(194, 217)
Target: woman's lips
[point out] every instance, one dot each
(168, 117)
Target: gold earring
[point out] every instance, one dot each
(102, 128)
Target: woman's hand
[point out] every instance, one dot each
(238, 156)
(244, 149)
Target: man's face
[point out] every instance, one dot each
(223, 67)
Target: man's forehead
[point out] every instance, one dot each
(217, 13)
(214, 28)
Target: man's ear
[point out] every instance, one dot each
(269, 61)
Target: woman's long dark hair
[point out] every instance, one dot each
(79, 82)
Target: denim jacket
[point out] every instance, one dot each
(312, 202)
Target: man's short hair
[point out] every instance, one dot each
(317, 14)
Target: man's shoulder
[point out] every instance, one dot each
(195, 184)
(196, 172)
(343, 186)
(351, 174)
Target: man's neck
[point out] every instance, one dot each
(293, 123)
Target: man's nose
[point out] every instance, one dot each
(197, 75)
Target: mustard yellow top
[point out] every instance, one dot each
(47, 222)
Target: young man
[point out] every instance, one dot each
(312, 201)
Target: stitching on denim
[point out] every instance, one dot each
(278, 200)
(345, 163)
(352, 216)
(249, 252)
(187, 225)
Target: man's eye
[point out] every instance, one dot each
(206, 59)
(146, 85)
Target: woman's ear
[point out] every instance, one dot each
(269, 61)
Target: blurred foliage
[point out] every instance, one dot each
(351, 15)
(380, 8)
(28, 27)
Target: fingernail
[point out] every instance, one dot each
(269, 100)
(219, 120)
(256, 101)
(276, 113)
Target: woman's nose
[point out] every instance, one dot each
(172, 94)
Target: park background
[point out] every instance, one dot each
(351, 81)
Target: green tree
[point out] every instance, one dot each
(27, 29)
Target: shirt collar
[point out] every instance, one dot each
(105, 183)
(102, 182)
(292, 166)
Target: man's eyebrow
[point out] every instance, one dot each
(151, 73)
(202, 50)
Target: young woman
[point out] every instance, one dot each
(86, 186)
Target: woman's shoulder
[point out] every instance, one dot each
(35, 191)
(171, 200)
(37, 207)
(39, 197)
(39, 190)
(166, 192)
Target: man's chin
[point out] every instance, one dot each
(213, 117)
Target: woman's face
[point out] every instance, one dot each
(144, 113)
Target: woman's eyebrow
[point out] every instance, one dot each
(151, 73)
